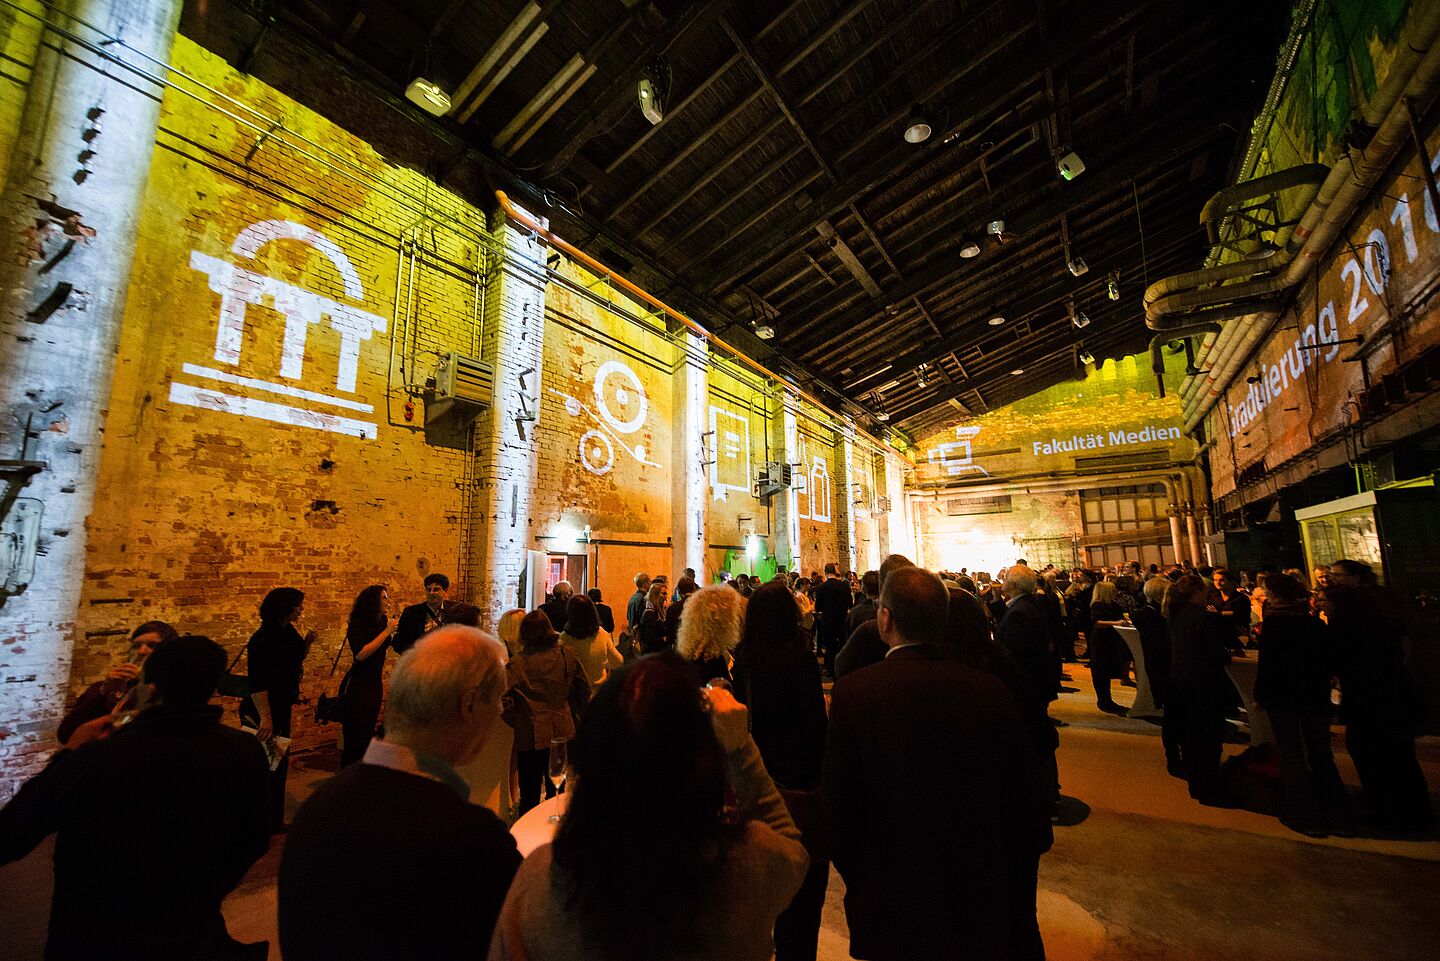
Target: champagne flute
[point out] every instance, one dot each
(558, 771)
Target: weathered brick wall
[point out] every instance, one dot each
(206, 502)
(988, 542)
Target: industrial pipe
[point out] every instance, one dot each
(1414, 75)
(1306, 175)
(1157, 343)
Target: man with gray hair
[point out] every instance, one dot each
(1024, 632)
(421, 871)
(556, 608)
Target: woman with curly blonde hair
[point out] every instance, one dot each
(710, 631)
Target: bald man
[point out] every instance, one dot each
(919, 724)
(422, 871)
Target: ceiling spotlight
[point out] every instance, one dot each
(920, 379)
(1086, 357)
(1080, 320)
(882, 416)
(1112, 286)
(654, 90)
(428, 96)
(1017, 371)
(764, 331)
(1077, 266)
(918, 128)
(970, 249)
(1070, 166)
(995, 321)
(996, 228)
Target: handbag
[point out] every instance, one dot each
(329, 708)
(232, 684)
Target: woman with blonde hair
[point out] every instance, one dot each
(509, 629)
(1104, 645)
(653, 637)
(710, 631)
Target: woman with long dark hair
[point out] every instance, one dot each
(1199, 688)
(777, 677)
(368, 635)
(274, 657)
(648, 821)
(592, 645)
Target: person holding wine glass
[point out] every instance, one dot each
(275, 657)
(672, 805)
(546, 694)
(559, 768)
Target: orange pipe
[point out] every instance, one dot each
(543, 229)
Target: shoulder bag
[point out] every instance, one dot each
(331, 708)
(232, 684)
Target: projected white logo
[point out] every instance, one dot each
(814, 487)
(732, 453)
(616, 388)
(239, 288)
(957, 456)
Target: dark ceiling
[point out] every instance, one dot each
(778, 189)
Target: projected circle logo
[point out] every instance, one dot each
(620, 409)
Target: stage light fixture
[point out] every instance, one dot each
(1078, 266)
(1070, 166)
(427, 95)
(970, 249)
(1086, 357)
(917, 129)
(996, 321)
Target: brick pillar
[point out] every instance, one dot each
(689, 472)
(508, 456)
(784, 443)
(844, 494)
(69, 212)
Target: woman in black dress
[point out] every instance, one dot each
(1104, 646)
(1199, 688)
(368, 635)
(777, 677)
(274, 656)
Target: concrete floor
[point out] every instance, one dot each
(1145, 873)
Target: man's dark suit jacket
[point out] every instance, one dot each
(864, 647)
(1024, 633)
(606, 617)
(155, 825)
(933, 800)
(415, 621)
(832, 603)
(556, 609)
(864, 611)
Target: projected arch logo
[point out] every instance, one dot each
(241, 288)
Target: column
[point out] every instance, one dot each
(693, 452)
(785, 521)
(508, 456)
(845, 498)
(70, 209)
(1172, 510)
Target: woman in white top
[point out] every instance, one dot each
(595, 649)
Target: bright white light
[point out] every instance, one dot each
(752, 546)
(995, 321)
(566, 534)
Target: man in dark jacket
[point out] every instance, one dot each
(1025, 632)
(635, 607)
(949, 886)
(388, 860)
(419, 619)
(869, 602)
(559, 604)
(602, 611)
(864, 646)
(156, 823)
(832, 604)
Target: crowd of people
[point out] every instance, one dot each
(712, 782)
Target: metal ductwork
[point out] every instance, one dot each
(1414, 76)
(1158, 342)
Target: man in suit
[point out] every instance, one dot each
(864, 646)
(556, 607)
(958, 879)
(1024, 631)
(636, 605)
(417, 620)
(602, 611)
(832, 604)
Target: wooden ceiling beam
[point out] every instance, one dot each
(772, 86)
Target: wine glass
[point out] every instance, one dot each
(557, 773)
